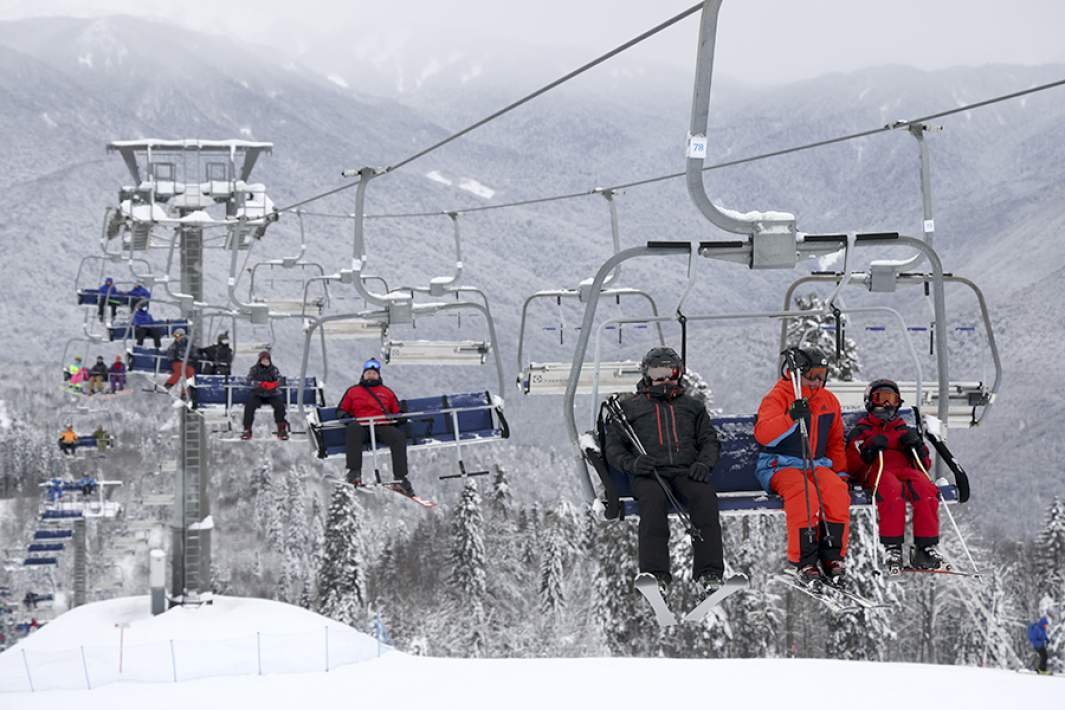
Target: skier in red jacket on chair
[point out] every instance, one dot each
(882, 453)
(370, 399)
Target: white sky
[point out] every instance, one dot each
(760, 40)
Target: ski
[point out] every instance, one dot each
(941, 571)
(856, 598)
(424, 502)
(647, 585)
(731, 585)
(815, 591)
(371, 488)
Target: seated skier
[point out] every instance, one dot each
(103, 439)
(106, 298)
(98, 375)
(682, 448)
(884, 454)
(142, 322)
(68, 440)
(369, 398)
(816, 547)
(217, 359)
(177, 354)
(117, 375)
(266, 383)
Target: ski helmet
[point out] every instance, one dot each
(371, 364)
(805, 359)
(661, 357)
(179, 332)
(882, 407)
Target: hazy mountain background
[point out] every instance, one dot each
(68, 86)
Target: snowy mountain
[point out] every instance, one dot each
(218, 660)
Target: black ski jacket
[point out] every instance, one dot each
(675, 431)
(258, 375)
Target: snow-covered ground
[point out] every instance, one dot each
(219, 635)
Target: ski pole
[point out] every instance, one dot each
(807, 462)
(950, 516)
(619, 415)
(876, 511)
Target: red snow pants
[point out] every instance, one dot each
(897, 486)
(175, 373)
(787, 483)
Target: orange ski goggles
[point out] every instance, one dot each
(885, 398)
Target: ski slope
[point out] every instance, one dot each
(396, 680)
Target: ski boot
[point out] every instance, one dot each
(403, 486)
(282, 430)
(246, 435)
(894, 560)
(664, 580)
(927, 557)
(355, 479)
(809, 576)
(835, 573)
(710, 582)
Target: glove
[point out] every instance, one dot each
(873, 446)
(269, 386)
(699, 472)
(643, 466)
(799, 409)
(911, 439)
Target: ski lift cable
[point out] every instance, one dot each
(511, 106)
(716, 166)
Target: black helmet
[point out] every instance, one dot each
(661, 357)
(880, 385)
(805, 359)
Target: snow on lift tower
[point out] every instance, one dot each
(194, 187)
(550, 378)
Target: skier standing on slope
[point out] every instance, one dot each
(1037, 636)
(805, 474)
(369, 398)
(880, 455)
(682, 448)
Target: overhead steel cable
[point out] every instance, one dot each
(716, 166)
(515, 104)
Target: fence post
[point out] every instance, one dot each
(326, 651)
(28, 676)
(173, 661)
(85, 666)
(259, 651)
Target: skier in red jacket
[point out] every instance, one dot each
(881, 449)
(367, 400)
(780, 468)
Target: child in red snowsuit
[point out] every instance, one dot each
(881, 451)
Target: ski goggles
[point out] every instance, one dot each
(816, 373)
(371, 364)
(661, 374)
(885, 398)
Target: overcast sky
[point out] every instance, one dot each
(760, 40)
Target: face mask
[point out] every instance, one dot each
(886, 413)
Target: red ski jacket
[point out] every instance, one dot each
(360, 403)
(895, 455)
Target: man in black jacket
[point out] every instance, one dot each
(265, 380)
(681, 447)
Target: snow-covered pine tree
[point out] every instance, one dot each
(502, 499)
(552, 594)
(754, 543)
(281, 590)
(817, 330)
(468, 581)
(340, 578)
(1050, 565)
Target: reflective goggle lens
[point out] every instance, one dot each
(659, 374)
(816, 373)
(371, 364)
(885, 398)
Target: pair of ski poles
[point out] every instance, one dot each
(807, 458)
(618, 414)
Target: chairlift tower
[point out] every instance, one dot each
(175, 184)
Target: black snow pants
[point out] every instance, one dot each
(256, 400)
(700, 499)
(391, 436)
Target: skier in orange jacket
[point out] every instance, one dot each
(811, 539)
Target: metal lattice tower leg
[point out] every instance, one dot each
(190, 560)
(80, 562)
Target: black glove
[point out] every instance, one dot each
(699, 472)
(910, 440)
(799, 409)
(643, 466)
(873, 446)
